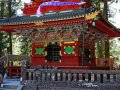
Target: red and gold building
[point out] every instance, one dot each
(64, 38)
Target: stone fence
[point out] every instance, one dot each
(53, 79)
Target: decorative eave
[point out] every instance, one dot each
(110, 25)
(48, 18)
(108, 28)
(11, 24)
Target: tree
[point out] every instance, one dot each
(104, 12)
(10, 34)
(100, 44)
(3, 35)
(115, 42)
(25, 45)
(6, 10)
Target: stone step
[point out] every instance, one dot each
(9, 87)
(11, 84)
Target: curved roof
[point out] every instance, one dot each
(9, 24)
(45, 18)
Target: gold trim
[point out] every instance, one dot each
(69, 42)
(91, 15)
(39, 23)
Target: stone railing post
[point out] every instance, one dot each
(69, 76)
(34, 75)
(98, 78)
(48, 76)
(53, 76)
(64, 76)
(111, 78)
(105, 80)
(58, 76)
(86, 77)
(43, 76)
(29, 75)
(23, 69)
(74, 76)
(80, 77)
(92, 77)
(118, 78)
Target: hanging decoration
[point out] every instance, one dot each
(93, 24)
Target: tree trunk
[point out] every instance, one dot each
(105, 14)
(100, 49)
(10, 43)
(105, 10)
(107, 51)
(1, 35)
(10, 34)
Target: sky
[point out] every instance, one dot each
(115, 9)
(26, 1)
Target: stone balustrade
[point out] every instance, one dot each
(44, 78)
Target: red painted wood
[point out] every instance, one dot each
(11, 72)
(106, 29)
(47, 9)
(32, 8)
(84, 68)
(66, 59)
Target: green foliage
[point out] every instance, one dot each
(115, 49)
(96, 3)
(100, 49)
(7, 9)
(25, 45)
(3, 42)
